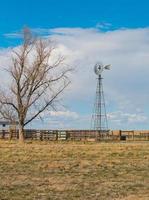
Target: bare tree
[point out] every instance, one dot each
(38, 77)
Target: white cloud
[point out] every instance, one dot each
(67, 114)
(63, 119)
(126, 84)
(127, 117)
(13, 35)
(103, 25)
(125, 120)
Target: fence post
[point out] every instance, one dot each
(133, 135)
(67, 135)
(41, 135)
(3, 134)
(120, 134)
(10, 134)
(56, 135)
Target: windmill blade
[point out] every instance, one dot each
(98, 68)
(108, 67)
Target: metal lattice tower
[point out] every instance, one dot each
(99, 118)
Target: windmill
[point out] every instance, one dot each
(99, 117)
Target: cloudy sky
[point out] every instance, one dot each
(114, 32)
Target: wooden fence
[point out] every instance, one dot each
(77, 135)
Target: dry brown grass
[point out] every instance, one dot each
(74, 170)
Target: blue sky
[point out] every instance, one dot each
(114, 31)
(72, 13)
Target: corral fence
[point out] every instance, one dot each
(77, 135)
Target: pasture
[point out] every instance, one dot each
(74, 170)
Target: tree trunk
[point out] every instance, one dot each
(21, 133)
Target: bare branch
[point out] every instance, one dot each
(38, 79)
(48, 103)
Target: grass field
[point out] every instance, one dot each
(74, 170)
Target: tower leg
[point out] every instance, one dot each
(99, 117)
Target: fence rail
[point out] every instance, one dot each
(78, 135)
